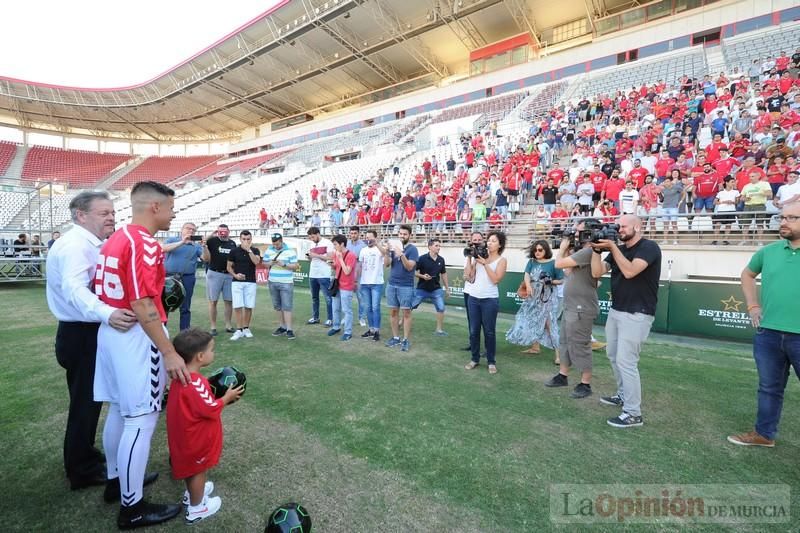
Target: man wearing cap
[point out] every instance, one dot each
(282, 263)
(218, 281)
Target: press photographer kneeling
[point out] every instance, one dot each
(581, 306)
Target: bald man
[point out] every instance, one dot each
(635, 270)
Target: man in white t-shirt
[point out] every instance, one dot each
(628, 199)
(319, 274)
(788, 193)
(372, 258)
(725, 214)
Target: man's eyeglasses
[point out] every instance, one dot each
(789, 218)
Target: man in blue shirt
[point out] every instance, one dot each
(400, 289)
(181, 258)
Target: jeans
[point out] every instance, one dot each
(362, 309)
(774, 351)
(469, 323)
(625, 334)
(371, 296)
(343, 311)
(186, 306)
(325, 285)
(483, 313)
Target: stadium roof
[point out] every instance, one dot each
(298, 57)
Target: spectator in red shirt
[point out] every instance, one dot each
(613, 186)
(776, 174)
(743, 176)
(663, 164)
(637, 174)
(556, 173)
(725, 165)
(496, 220)
(363, 216)
(706, 187)
(712, 150)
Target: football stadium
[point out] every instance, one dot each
(485, 265)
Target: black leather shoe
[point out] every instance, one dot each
(111, 494)
(144, 514)
(94, 480)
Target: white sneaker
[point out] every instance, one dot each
(207, 490)
(247, 333)
(362, 322)
(238, 334)
(207, 508)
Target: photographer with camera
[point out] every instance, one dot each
(536, 322)
(485, 271)
(635, 271)
(475, 240)
(181, 258)
(580, 307)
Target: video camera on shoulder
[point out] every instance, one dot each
(593, 231)
(476, 250)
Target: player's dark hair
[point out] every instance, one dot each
(245, 233)
(355, 228)
(341, 239)
(313, 230)
(152, 186)
(190, 342)
(406, 227)
(373, 232)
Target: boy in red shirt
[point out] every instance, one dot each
(194, 427)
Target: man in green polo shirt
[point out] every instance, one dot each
(776, 345)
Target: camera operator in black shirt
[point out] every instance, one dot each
(635, 271)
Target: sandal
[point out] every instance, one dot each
(492, 369)
(471, 365)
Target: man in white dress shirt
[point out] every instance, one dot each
(70, 272)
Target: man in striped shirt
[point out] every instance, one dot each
(282, 262)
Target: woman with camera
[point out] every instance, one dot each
(536, 323)
(485, 270)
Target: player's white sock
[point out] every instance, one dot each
(134, 450)
(112, 432)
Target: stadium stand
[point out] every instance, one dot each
(491, 110)
(78, 168)
(741, 51)
(7, 152)
(220, 169)
(164, 169)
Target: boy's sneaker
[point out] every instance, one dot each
(376, 336)
(207, 508)
(213, 332)
(612, 400)
(238, 334)
(328, 323)
(362, 322)
(290, 335)
(313, 321)
(247, 333)
(368, 335)
(207, 490)
(752, 438)
(559, 380)
(346, 337)
(625, 421)
(581, 390)
(333, 331)
(278, 332)
(440, 333)
(404, 345)
(394, 341)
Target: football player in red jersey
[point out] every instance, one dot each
(132, 366)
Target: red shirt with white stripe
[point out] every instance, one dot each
(194, 427)
(130, 267)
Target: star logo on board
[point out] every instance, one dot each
(731, 304)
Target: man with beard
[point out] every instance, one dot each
(400, 289)
(635, 271)
(776, 345)
(218, 281)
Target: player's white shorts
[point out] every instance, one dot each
(129, 371)
(244, 294)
